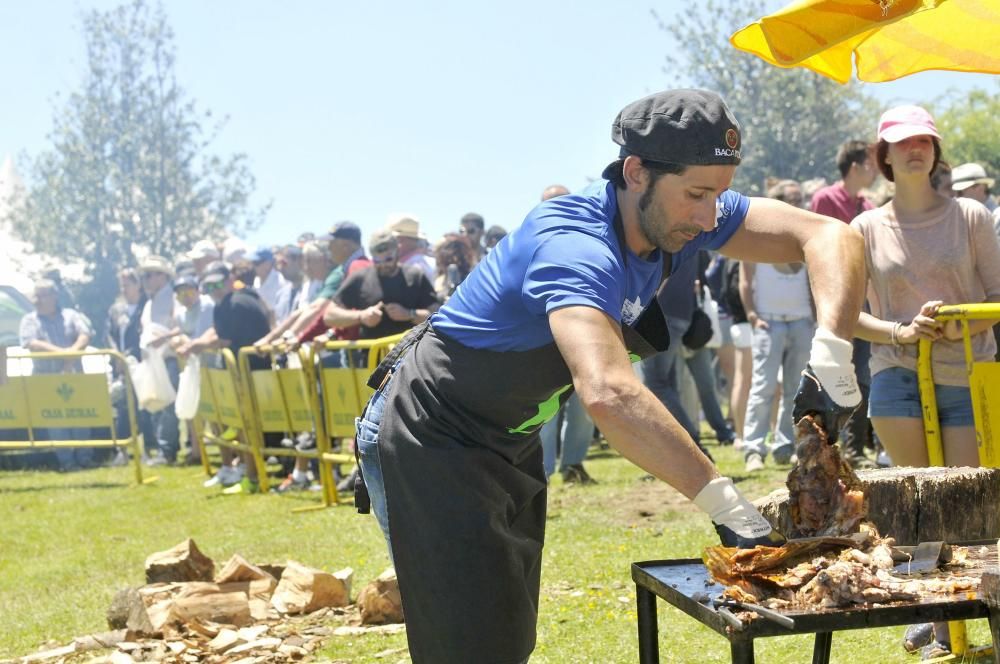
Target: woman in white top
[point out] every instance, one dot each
(923, 250)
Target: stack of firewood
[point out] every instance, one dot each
(246, 613)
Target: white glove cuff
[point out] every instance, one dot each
(723, 502)
(831, 361)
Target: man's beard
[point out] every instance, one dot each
(655, 233)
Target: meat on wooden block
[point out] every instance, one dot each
(304, 590)
(379, 601)
(184, 562)
(918, 504)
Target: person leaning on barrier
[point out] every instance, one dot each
(239, 318)
(52, 328)
(564, 303)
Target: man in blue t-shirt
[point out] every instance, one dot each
(449, 442)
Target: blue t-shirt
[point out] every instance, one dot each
(565, 253)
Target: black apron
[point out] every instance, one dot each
(465, 488)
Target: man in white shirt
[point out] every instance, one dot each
(273, 288)
(412, 245)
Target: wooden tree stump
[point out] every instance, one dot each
(184, 562)
(919, 504)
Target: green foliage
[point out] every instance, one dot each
(793, 120)
(128, 165)
(970, 129)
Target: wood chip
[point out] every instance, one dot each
(251, 633)
(55, 653)
(226, 639)
(269, 643)
(119, 657)
(293, 652)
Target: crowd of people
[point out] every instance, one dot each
(331, 285)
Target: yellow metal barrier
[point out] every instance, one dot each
(984, 387)
(29, 402)
(282, 403)
(340, 393)
(222, 416)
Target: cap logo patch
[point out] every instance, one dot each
(732, 138)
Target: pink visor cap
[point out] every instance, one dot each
(902, 122)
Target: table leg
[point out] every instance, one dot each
(994, 617)
(821, 650)
(741, 651)
(646, 609)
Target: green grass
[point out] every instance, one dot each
(69, 542)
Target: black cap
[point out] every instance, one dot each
(342, 230)
(215, 272)
(687, 127)
(185, 281)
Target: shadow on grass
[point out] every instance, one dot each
(64, 486)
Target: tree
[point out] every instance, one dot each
(793, 120)
(970, 129)
(128, 168)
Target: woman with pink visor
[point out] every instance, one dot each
(923, 250)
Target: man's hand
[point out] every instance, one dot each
(735, 518)
(398, 312)
(829, 389)
(371, 316)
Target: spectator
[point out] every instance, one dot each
(289, 263)
(124, 328)
(239, 318)
(970, 181)
(412, 245)
(272, 287)
(844, 200)
(941, 179)
(66, 300)
(777, 302)
(343, 244)
(809, 189)
(493, 236)
(741, 334)
(454, 260)
(317, 265)
(195, 319)
(472, 227)
(203, 253)
(385, 298)
(52, 328)
(158, 318)
(923, 249)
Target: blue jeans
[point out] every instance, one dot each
(700, 366)
(577, 431)
(784, 345)
(366, 438)
(659, 374)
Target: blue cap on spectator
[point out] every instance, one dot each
(260, 254)
(343, 230)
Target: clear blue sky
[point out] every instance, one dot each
(354, 110)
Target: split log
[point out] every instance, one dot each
(184, 562)
(304, 590)
(380, 602)
(238, 569)
(919, 504)
(212, 602)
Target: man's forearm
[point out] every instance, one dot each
(336, 316)
(835, 258)
(639, 426)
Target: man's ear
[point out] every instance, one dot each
(635, 174)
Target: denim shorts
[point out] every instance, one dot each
(895, 393)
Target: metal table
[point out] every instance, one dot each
(683, 582)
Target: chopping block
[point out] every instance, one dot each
(916, 505)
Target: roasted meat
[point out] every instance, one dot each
(825, 497)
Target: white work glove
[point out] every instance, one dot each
(829, 388)
(735, 518)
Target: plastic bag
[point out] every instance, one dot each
(189, 390)
(152, 382)
(711, 309)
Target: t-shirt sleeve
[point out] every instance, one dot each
(570, 268)
(987, 249)
(730, 211)
(331, 284)
(81, 324)
(347, 295)
(29, 330)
